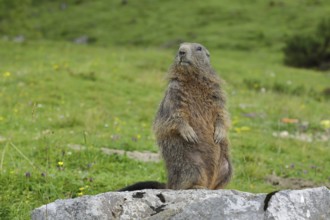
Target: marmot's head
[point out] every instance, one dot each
(192, 56)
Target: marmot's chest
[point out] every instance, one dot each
(200, 97)
(201, 107)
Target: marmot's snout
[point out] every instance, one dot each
(183, 55)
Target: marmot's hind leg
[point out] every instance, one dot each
(225, 174)
(188, 177)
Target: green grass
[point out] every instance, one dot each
(49, 100)
(54, 94)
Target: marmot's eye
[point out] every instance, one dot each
(199, 48)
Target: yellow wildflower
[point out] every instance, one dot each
(7, 74)
(2, 118)
(242, 129)
(80, 194)
(56, 67)
(245, 128)
(82, 188)
(325, 124)
(60, 163)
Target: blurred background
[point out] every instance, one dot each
(235, 25)
(80, 82)
(295, 26)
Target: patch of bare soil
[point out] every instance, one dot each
(292, 183)
(136, 155)
(145, 156)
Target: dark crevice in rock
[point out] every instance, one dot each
(161, 197)
(138, 195)
(157, 209)
(267, 199)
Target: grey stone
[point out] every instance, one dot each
(82, 40)
(312, 203)
(136, 155)
(19, 39)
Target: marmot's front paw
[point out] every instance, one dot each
(219, 134)
(188, 133)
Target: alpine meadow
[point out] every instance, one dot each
(79, 79)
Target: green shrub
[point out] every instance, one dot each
(310, 51)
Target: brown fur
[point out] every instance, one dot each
(192, 122)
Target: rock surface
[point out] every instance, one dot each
(312, 203)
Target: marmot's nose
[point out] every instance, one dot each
(182, 52)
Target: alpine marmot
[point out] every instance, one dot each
(191, 125)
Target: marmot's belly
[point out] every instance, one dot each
(194, 160)
(176, 145)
